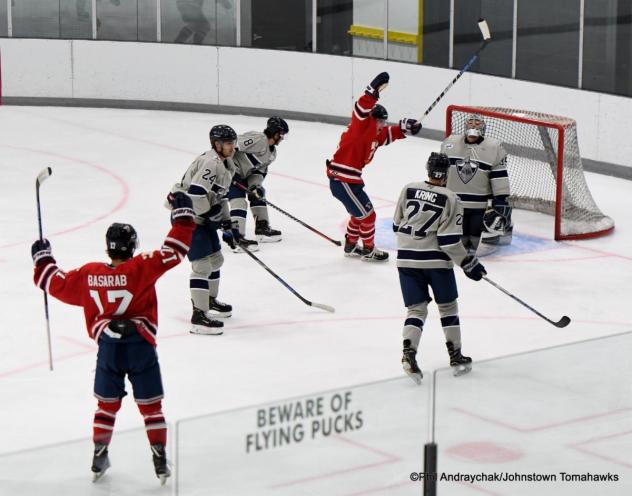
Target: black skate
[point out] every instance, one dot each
(352, 249)
(373, 255)
(218, 309)
(409, 362)
(100, 461)
(201, 324)
(265, 234)
(460, 364)
(160, 462)
(250, 244)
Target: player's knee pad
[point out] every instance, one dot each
(417, 311)
(448, 309)
(203, 267)
(153, 408)
(216, 260)
(369, 220)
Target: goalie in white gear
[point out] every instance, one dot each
(478, 175)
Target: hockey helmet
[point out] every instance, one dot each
(276, 125)
(222, 132)
(379, 112)
(121, 241)
(438, 165)
(475, 126)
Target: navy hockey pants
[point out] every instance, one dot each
(415, 283)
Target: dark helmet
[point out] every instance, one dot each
(276, 125)
(379, 112)
(222, 133)
(438, 165)
(121, 241)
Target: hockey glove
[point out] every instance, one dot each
(256, 192)
(230, 235)
(378, 84)
(41, 252)
(409, 126)
(473, 268)
(182, 207)
(120, 329)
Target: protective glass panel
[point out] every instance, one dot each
(496, 58)
(4, 27)
(65, 469)
(555, 421)
(359, 440)
(548, 41)
(35, 19)
(367, 31)
(607, 63)
(199, 22)
(436, 33)
(334, 19)
(76, 19)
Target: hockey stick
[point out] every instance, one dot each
(482, 25)
(41, 177)
(292, 290)
(336, 242)
(563, 322)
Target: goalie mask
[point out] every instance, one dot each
(475, 126)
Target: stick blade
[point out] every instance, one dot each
(482, 25)
(563, 322)
(327, 308)
(43, 175)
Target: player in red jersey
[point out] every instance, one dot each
(366, 132)
(121, 312)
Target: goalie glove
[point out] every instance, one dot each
(409, 126)
(378, 84)
(497, 220)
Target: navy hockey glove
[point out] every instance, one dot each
(120, 329)
(41, 252)
(473, 268)
(378, 84)
(410, 126)
(182, 207)
(256, 192)
(230, 234)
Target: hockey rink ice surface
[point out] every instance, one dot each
(564, 409)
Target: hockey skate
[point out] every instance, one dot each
(201, 324)
(100, 461)
(409, 362)
(373, 255)
(352, 249)
(218, 309)
(265, 234)
(460, 364)
(159, 456)
(250, 244)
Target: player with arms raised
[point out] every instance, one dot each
(478, 173)
(121, 313)
(427, 221)
(366, 132)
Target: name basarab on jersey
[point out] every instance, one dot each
(359, 142)
(123, 292)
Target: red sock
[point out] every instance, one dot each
(367, 230)
(154, 422)
(104, 419)
(353, 232)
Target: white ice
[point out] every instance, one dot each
(117, 165)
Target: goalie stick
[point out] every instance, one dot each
(563, 322)
(482, 25)
(327, 308)
(41, 177)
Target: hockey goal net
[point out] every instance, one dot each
(545, 168)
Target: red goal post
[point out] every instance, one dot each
(544, 164)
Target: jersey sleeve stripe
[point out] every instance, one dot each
(448, 239)
(473, 198)
(197, 190)
(498, 174)
(46, 274)
(177, 244)
(253, 160)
